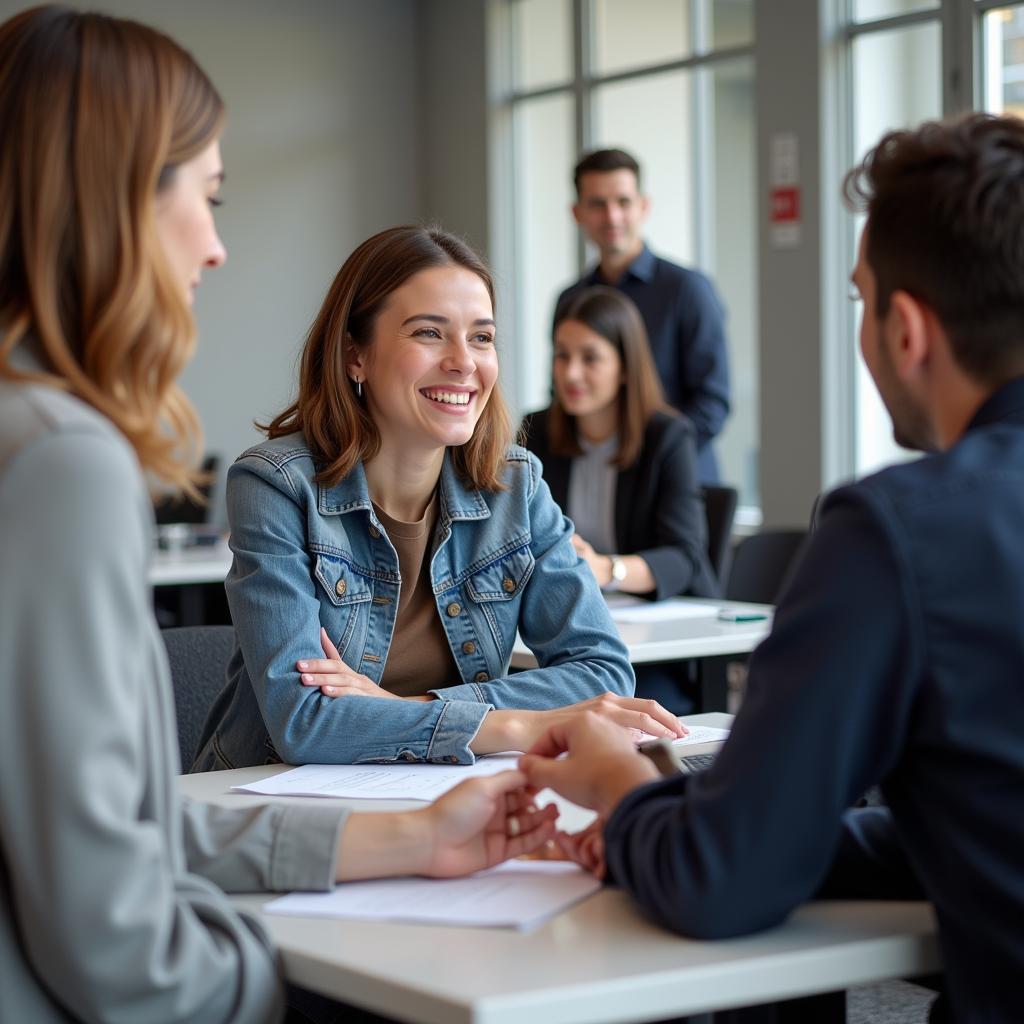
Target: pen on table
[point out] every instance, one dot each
(726, 615)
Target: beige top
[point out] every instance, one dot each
(420, 659)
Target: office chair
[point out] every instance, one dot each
(761, 565)
(720, 510)
(198, 657)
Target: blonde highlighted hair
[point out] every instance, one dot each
(96, 113)
(338, 428)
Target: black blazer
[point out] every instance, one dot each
(659, 511)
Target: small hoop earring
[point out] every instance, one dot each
(359, 387)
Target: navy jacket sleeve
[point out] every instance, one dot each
(829, 696)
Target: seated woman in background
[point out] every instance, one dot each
(389, 543)
(111, 901)
(617, 458)
(623, 464)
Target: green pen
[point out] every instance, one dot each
(728, 615)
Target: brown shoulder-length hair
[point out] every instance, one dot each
(338, 428)
(95, 115)
(615, 318)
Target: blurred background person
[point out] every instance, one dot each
(684, 317)
(623, 464)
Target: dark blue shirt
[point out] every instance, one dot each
(686, 327)
(896, 658)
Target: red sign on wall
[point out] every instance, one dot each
(785, 205)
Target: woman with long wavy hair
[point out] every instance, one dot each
(111, 901)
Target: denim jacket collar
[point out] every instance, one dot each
(457, 501)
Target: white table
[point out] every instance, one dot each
(204, 563)
(706, 639)
(190, 576)
(600, 962)
(675, 639)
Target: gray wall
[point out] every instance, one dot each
(322, 148)
(453, 117)
(347, 116)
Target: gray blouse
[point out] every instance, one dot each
(592, 480)
(111, 887)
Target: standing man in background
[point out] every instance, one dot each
(684, 318)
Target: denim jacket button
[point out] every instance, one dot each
(508, 585)
(469, 647)
(454, 608)
(480, 677)
(340, 587)
(374, 532)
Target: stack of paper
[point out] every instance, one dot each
(517, 894)
(377, 781)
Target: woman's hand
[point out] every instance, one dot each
(636, 713)
(519, 730)
(478, 824)
(600, 565)
(638, 579)
(334, 677)
(482, 822)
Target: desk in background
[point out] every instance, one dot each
(707, 640)
(189, 583)
(601, 961)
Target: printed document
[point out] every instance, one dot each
(700, 734)
(377, 781)
(516, 894)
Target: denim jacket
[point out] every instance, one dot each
(307, 555)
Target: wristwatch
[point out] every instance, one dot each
(618, 573)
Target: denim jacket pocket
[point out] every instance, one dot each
(348, 591)
(503, 579)
(342, 584)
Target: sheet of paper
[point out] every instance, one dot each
(663, 611)
(701, 734)
(376, 781)
(516, 894)
(697, 734)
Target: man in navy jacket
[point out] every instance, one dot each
(684, 318)
(897, 653)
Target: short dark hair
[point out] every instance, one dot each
(945, 206)
(603, 161)
(615, 318)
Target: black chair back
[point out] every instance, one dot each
(720, 510)
(761, 565)
(198, 656)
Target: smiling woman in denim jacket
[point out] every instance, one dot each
(389, 543)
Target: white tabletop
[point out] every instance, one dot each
(600, 961)
(675, 639)
(205, 563)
